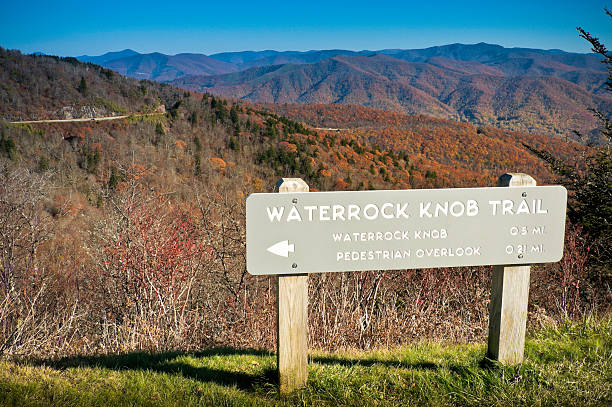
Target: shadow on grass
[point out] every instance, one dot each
(483, 364)
(165, 362)
(348, 362)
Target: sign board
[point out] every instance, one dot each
(313, 232)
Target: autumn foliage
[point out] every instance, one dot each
(130, 234)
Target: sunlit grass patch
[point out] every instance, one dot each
(569, 364)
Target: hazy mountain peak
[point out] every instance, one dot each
(107, 57)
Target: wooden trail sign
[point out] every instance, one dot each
(392, 230)
(293, 233)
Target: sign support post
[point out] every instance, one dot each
(509, 297)
(292, 316)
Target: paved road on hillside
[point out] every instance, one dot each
(85, 119)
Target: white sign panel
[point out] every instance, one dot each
(313, 232)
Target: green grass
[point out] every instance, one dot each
(147, 117)
(566, 365)
(110, 105)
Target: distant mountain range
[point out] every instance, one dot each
(161, 67)
(546, 91)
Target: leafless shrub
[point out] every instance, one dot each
(372, 309)
(27, 312)
(148, 258)
(563, 289)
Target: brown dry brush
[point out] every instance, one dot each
(374, 309)
(37, 309)
(147, 261)
(151, 273)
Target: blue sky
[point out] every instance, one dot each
(85, 27)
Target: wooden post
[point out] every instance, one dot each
(292, 317)
(509, 296)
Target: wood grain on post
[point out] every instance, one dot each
(292, 317)
(509, 297)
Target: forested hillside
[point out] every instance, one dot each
(457, 153)
(45, 87)
(129, 234)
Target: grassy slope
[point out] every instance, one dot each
(569, 365)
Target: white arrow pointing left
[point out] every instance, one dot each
(282, 248)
